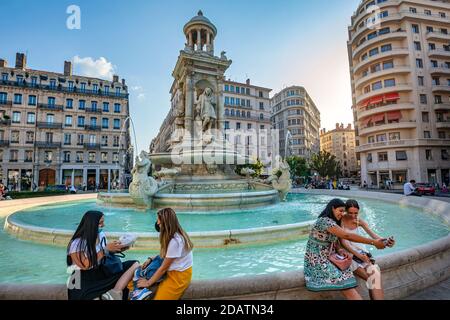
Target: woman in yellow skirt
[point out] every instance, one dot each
(176, 250)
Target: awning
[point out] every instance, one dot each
(394, 115)
(364, 104)
(378, 118)
(377, 99)
(366, 121)
(392, 96)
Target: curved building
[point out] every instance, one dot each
(399, 53)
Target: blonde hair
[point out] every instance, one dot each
(169, 226)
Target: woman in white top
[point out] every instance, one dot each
(85, 252)
(363, 264)
(176, 250)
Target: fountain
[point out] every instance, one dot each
(195, 166)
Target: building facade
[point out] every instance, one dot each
(400, 71)
(62, 129)
(340, 142)
(297, 120)
(247, 109)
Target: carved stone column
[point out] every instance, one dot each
(199, 40)
(190, 42)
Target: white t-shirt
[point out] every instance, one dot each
(408, 189)
(183, 258)
(76, 247)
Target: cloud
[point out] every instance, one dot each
(136, 88)
(100, 68)
(141, 96)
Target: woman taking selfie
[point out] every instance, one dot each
(176, 250)
(362, 264)
(90, 277)
(323, 272)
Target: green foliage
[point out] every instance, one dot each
(299, 167)
(29, 194)
(326, 165)
(258, 167)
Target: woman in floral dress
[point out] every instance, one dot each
(320, 273)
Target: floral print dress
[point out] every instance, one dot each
(320, 273)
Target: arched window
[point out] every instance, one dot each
(238, 113)
(227, 112)
(248, 114)
(261, 116)
(232, 112)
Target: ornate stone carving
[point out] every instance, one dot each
(143, 187)
(281, 180)
(180, 112)
(204, 106)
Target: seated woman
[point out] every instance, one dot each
(362, 259)
(320, 273)
(85, 253)
(176, 250)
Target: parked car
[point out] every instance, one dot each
(426, 189)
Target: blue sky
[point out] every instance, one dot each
(275, 43)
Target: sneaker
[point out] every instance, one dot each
(141, 294)
(112, 295)
(137, 274)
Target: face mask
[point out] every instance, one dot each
(100, 230)
(157, 227)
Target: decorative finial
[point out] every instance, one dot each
(200, 13)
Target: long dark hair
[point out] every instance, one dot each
(351, 204)
(328, 212)
(87, 233)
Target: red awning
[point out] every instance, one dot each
(378, 118)
(377, 99)
(364, 103)
(392, 96)
(394, 115)
(366, 121)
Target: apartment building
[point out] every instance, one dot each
(340, 142)
(400, 74)
(61, 128)
(297, 119)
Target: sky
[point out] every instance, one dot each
(274, 43)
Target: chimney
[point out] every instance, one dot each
(349, 127)
(123, 82)
(21, 61)
(3, 63)
(248, 82)
(67, 68)
(115, 78)
(337, 126)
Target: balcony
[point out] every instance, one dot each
(4, 143)
(92, 128)
(5, 122)
(437, 35)
(380, 56)
(51, 107)
(49, 125)
(388, 126)
(397, 88)
(92, 146)
(443, 69)
(94, 110)
(47, 144)
(439, 53)
(5, 103)
(441, 106)
(382, 73)
(443, 124)
(440, 88)
(407, 143)
(386, 108)
(395, 35)
(60, 88)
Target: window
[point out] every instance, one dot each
(82, 105)
(104, 141)
(425, 117)
(48, 156)
(93, 121)
(431, 46)
(261, 106)
(401, 155)
(227, 101)
(3, 97)
(116, 123)
(4, 76)
(17, 98)
(423, 99)
(381, 138)
(227, 125)
(389, 83)
(428, 154)
(442, 15)
(444, 154)
(51, 101)
(69, 103)
(66, 156)
(95, 88)
(369, 157)
(382, 156)
(92, 156)
(394, 136)
(115, 157)
(106, 88)
(30, 137)
(31, 118)
(19, 79)
(412, 10)
(105, 106)
(420, 81)
(33, 81)
(92, 139)
(70, 85)
(31, 100)
(388, 65)
(371, 139)
(227, 88)
(13, 155)
(15, 136)
(80, 157)
(50, 118)
(80, 121)
(427, 134)
(49, 137)
(118, 91)
(104, 157)
(419, 63)
(16, 117)
(68, 122)
(52, 84)
(83, 87)
(80, 139)
(105, 123)
(377, 85)
(415, 28)
(249, 126)
(116, 141)
(238, 125)
(261, 95)
(67, 138)
(417, 46)
(441, 134)
(373, 52)
(117, 107)
(28, 156)
(94, 105)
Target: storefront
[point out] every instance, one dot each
(75, 174)
(13, 182)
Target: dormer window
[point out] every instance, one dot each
(19, 79)
(52, 83)
(95, 88)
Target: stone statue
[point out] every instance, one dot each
(143, 187)
(205, 109)
(281, 180)
(180, 113)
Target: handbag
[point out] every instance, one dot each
(341, 264)
(111, 263)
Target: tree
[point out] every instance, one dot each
(299, 167)
(258, 167)
(325, 164)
